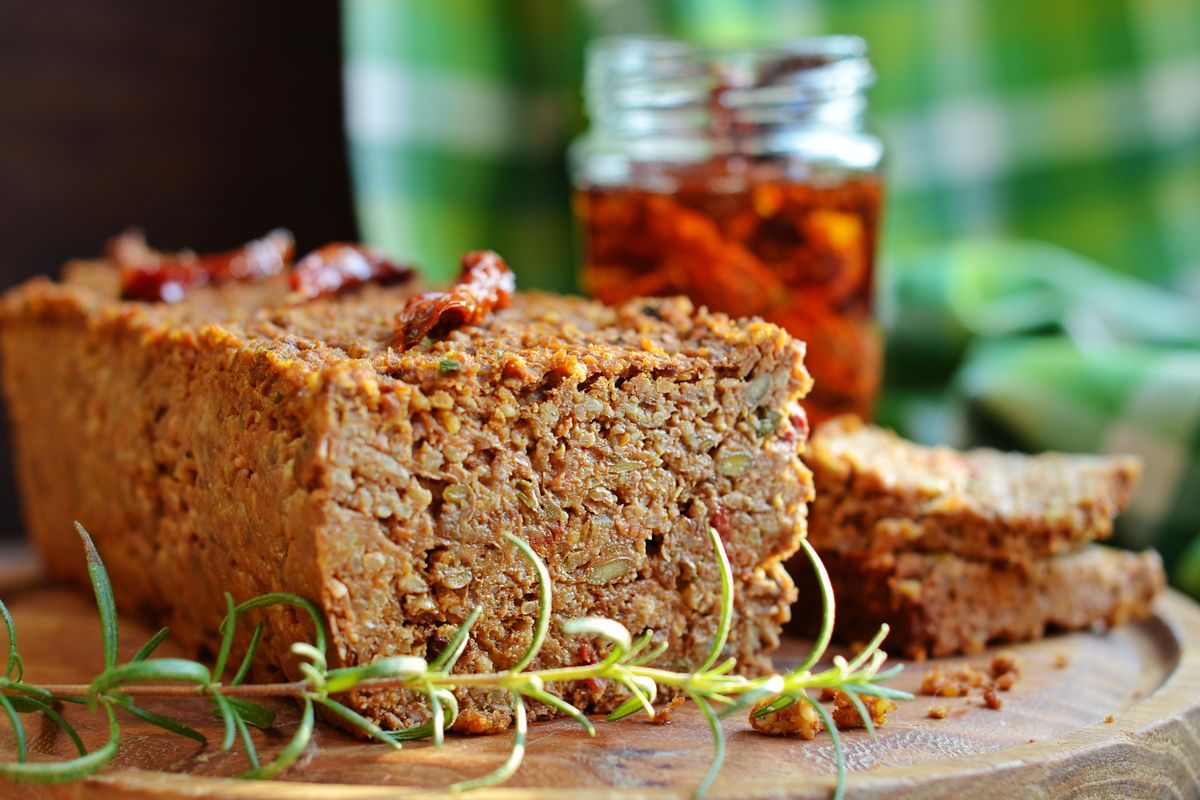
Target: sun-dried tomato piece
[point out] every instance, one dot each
(486, 283)
(148, 274)
(341, 265)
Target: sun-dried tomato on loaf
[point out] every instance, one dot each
(486, 283)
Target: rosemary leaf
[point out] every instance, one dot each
(18, 727)
(247, 743)
(150, 670)
(821, 643)
(150, 646)
(868, 723)
(293, 749)
(839, 754)
(346, 678)
(724, 667)
(105, 604)
(779, 705)
(417, 733)
(34, 704)
(450, 655)
(650, 656)
(257, 715)
(515, 756)
(714, 724)
(248, 659)
(626, 709)
(13, 658)
(228, 628)
(166, 723)
(285, 599)
(640, 644)
(438, 718)
(608, 629)
(563, 707)
(73, 769)
(872, 647)
(876, 691)
(450, 704)
(359, 721)
(228, 716)
(542, 624)
(726, 617)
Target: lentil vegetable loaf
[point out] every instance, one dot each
(957, 549)
(877, 492)
(249, 439)
(939, 605)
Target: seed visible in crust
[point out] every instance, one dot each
(609, 571)
(734, 465)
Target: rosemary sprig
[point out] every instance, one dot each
(626, 663)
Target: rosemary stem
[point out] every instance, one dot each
(726, 684)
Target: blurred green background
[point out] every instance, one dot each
(1040, 275)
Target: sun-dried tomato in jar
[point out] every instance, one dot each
(743, 179)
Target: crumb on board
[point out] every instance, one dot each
(846, 715)
(663, 715)
(1004, 662)
(798, 719)
(801, 719)
(1109, 719)
(1061, 660)
(991, 699)
(937, 712)
(1005, 682)
(955, 680)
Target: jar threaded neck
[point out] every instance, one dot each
(638, 87)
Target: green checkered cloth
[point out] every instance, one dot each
(1007, 122)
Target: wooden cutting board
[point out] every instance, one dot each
(1120, 719)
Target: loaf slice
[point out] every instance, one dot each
(248, 441)
(938, 604)
(877, 492)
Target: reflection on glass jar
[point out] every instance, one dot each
(743, 179)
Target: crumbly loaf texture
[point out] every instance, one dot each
(879, 493)
(238, 441)
(939, 605)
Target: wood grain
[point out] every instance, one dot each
(1049, 739)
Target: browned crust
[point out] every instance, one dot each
(879, 493)
(939, 605)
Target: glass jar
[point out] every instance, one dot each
(744, 179)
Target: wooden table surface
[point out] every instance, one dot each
(1051, 737)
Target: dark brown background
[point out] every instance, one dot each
(205, 123)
